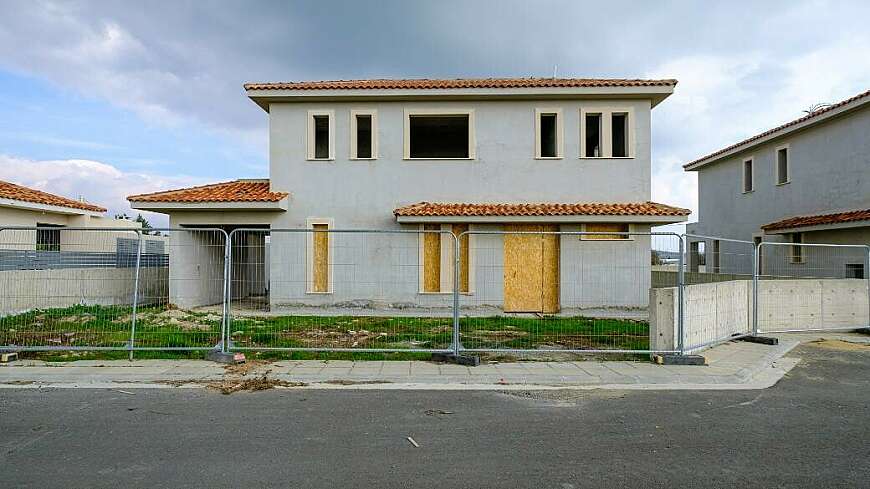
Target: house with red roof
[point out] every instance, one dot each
(805, 181)
(435, 158)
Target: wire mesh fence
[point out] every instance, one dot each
(66, 288)
(812, 287)
(534, 288)
(321, 289)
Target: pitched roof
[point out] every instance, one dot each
(427, 209)
(18, 192)
(235, 191)
(809, 117)
(819, 220)
(384, 84)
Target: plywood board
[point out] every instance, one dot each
(458, 229)
(531, 269)
(321, 258)
(431, 258)
(605, 227)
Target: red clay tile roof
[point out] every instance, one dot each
(779, 128)
(25, 194)
(429, 209)
(383, 84)
(818, 220)
(235, 191)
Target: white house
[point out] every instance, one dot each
(526, 154)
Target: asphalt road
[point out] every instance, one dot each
(810, 430)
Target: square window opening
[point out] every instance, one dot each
(439, 136)
(855, 270)
(48, 237)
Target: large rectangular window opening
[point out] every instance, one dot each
(782, 166)
(747, 176)
(593, 136)
(47, 237)
(619, 135)
(433, 136)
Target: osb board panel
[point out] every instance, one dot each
(531, 269)
(431, 259)
(605, 227)
(458, 229)
(321, 258)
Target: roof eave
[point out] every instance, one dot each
(254, 206)
(655, 93)
(818, 227)
(55, 209)
(654, 220)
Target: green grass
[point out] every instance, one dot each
(109, 326)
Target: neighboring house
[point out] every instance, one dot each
(527, 154)
(806, 181)
(22, 206)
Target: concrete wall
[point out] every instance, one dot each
(102, 239)
(829, 171)
(717, 311)
(363, 194)
(25, 290)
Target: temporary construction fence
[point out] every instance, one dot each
(518, 288)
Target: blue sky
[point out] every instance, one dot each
(103, 99)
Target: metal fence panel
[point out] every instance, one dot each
(340, 290)
(65, 289)
(535, 289)
(812, 287)
(181, 306)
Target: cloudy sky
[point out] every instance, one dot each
(106, 99)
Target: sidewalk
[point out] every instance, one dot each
(734, 365)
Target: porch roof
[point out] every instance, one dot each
(242, 194)
(852, 218)
(652, 212)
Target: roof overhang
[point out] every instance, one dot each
(656, 94)
(819, 227)
(52, 209)
(168, 207)
(787, 129)
(576, 219)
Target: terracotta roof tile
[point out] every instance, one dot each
(384, 84)
(429, 209)
(17, 192)
(818, 220)
(235, 191)
(779, 128)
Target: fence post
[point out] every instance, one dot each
(135, 293)
(756, 254)
(681, 279)
(457, 263)
(225, 322)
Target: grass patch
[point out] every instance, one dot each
(102, 326)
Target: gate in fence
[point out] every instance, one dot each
(442, 288)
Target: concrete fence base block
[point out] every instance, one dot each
(764, 340)
(680, 359)
(225, 357)
(8, 357)
(467, 360)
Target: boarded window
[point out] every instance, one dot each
(464, 263)
(321, 137)
(606, 227)
(364, 136)
(48, 237)
(747, 176)
(782, 166)
(619, 135)
(320, 258)
(548, 136)
(593, 136)
(439, 136)
(432, 258)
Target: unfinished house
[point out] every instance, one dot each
(424, 161)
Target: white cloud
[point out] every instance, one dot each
(96, 182)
